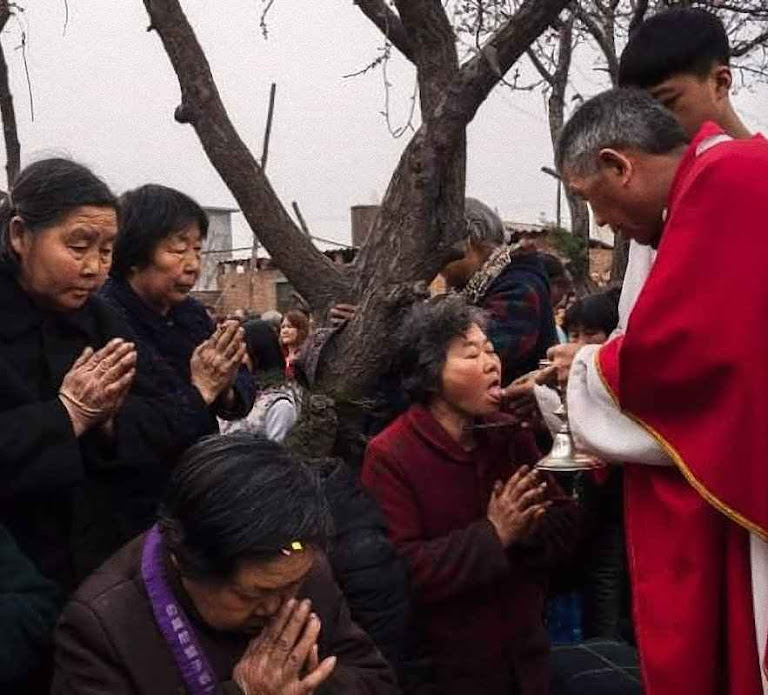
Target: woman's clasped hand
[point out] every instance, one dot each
(215, 362)
(95, 387)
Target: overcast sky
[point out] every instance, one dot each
(104, 93)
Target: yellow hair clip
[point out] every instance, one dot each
(296, 547)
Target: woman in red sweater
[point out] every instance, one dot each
(478, 528)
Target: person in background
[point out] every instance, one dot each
(560, 289)
(605, 590)
(477, 527)
(276, 407)
(294, 331)
(28, 612)
(511, 285)
(156, 265)
(592, 319)
(230, 593)
(274, 318)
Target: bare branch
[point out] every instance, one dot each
(434, 46)
(10, 131)
(397, 132)
(605, 41)
(372, 65)
(263, 19)
(388, 24)
(545, 74)
(478, 76)
(742, 48)
(313, 275)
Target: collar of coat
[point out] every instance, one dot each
(497, 431)
(20, 315)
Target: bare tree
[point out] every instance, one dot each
(421, 216)
(603, 27)
(7, 111)
(552, 56)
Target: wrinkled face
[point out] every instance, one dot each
(623, 196)
(471, 376)
(248, 600)
(581, 335)
(693, 99)
(289, 334)
(173, 270)
(64, 264)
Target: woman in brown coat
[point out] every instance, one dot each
(230, 593)
(477, 527)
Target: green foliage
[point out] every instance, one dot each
(574, 248)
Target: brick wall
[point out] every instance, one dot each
(244, 287)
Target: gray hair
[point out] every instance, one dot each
(619, 119)
(484, 226)
(423, 340)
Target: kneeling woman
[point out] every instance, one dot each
(477, 527)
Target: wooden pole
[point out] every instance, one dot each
(300, 217)
(265, 154)
(268, 133)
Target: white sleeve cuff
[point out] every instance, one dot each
(598, 425)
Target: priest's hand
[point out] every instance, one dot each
(95, 386)
(562, 357)
(283, 659)
(519, 399)
(517, 506)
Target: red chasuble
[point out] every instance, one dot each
(692, 368)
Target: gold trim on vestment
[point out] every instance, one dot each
(709, 496)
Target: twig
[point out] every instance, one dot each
(371, 66)
(23, 48)
(396, 133)
(263, 20)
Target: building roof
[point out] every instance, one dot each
(217, 208)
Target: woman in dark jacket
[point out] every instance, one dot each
(82, 435)
(230, 593)
(156, 265)
(477, 528)
(28, 610)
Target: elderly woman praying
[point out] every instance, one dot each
(475, 524)
(157, 263)
(83, 432)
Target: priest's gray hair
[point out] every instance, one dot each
(620, 119)
(484, 226)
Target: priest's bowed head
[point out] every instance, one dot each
(620, 152)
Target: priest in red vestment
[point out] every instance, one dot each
(690, 371)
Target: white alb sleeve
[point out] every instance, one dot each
(598, 425)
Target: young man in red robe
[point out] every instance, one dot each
(696, 528)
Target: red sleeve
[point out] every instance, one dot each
(441, 567)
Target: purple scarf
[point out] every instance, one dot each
(173, 623)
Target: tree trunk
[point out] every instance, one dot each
(580, 228)
(7, 112)
(620, 258)
(421, 216)
(314, 276)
